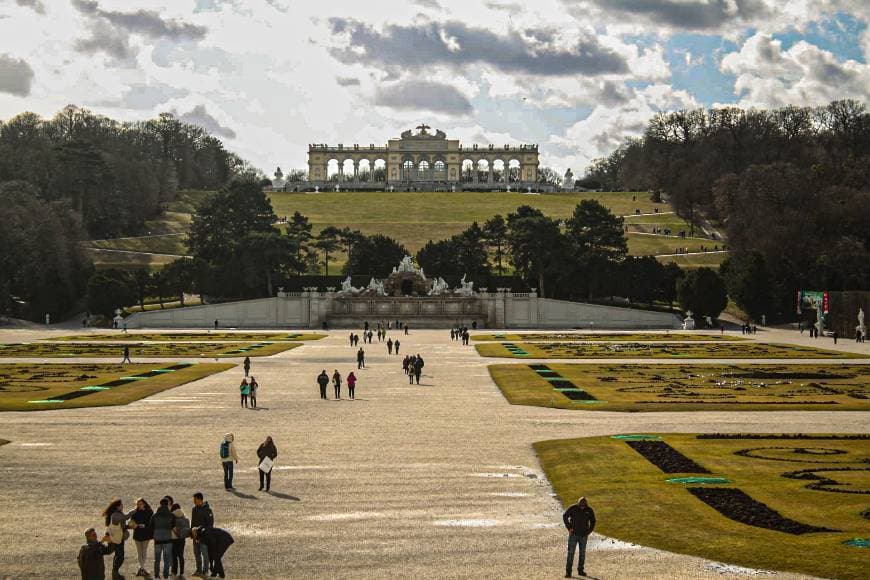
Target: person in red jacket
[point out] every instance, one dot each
(351, 384)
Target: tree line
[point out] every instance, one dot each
(79, 175)
(241, 252)
(791, 187)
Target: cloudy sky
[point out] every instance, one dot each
(575, 76)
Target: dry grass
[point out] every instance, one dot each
(592, 350)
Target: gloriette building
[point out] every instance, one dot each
(423, 160)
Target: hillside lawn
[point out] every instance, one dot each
(696, 261)
(23, 382)
(634, 502)
(686, 388)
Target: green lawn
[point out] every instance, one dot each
(634, 502)
(104, 259)
(557, 350)
(608, 336)
(65, 386)
(146, 350)
(653, 245)
(680, 387)
(161, 244)
(698, 261)
(193, 336)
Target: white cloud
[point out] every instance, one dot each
(768, 76)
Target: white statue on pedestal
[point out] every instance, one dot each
(439, 287)
(820, 318)
(347, 288)
(465, 288)
(376, 287)
(689, 322)
(407, 265)
(861, 326)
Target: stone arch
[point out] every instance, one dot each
(379, 167)
(498, 170)
(482, 167)
(407, 169)
(439, 170)
(466, 173)
(347, 169)
(365, 170)
(514, 170)
(332, 169)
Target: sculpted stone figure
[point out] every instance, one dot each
(465, 288)
(439, 286)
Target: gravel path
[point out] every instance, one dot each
(438, 480)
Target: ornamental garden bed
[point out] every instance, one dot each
(43, 386)
(144, 349)
(190, 336)
(689, 387)
(696, 350)
(608, 337)
(751, 510)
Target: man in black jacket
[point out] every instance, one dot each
(201, 517)
(91, 555)
(323, 380)
(217, 541)
(580, 521)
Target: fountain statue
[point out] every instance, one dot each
(861, 328)
(439, 287)
(465, 288)
(347, 288)
(689, 322)
(820, 318)
(376, 287)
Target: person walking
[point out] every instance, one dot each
(140, 521)
(323, 380)
(201, 516)
(405, 362)
(390, 346)
(336, 383)
(254, 386)
(351, 339)
(396, 346)
(116, 526)
(579, 519)
(266, 450)
(90, 558)
(351, 384)
(406, 328)
(245, 390)
(180, 533)
(162, 523)
(126, 358)
(418, 369)
(360, 359)
(228, 457)
(411, 371)
(247, 365)
(217, 541)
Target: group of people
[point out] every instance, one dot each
(229, 457)
(249, 386)
(167, 527)
(351, 380)
(413, 367)
(460, 334)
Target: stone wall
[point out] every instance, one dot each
(500, 309)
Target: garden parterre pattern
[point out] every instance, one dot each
(746, 350)
(609, 337)
(687, 387)
(755, 510)
(144, 349)
(192, 337)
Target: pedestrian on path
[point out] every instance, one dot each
(360, 359)
(217, 541)
(411, 371)
(140, 521)
(162, 524)
(201, 516)
(396, 346)
(228, 457)
(247, 365)
(90, 558)
(245, 390)
(268, 450)
(579, 519)
(323, 380)
(405, 362)
(390, 346)
(180, 533)
(836, 335)
(351, 339)
(351, 384)
(418, 369)
(336, 383)
(254, 386)
(116, 526)
(126, 354)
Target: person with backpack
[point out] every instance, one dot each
(116, 528)
(245, 390)
(336, 383)
(351, 384)
(228, 457)
(162, 524)
(201, 516)
(90, 558)
(140, 520)
(217, 541)
(247, 365)
(322, 381)
(180, 533)
(266, 449)
(254, 385)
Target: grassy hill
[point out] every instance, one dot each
(413, 218)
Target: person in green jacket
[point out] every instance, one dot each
(245, 390)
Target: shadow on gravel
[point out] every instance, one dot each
(241, 495)
(280, 495)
